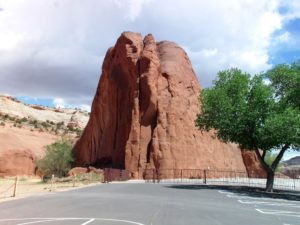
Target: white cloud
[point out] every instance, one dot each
(220, 34)
(132, 8)
(85, 107)
(291, 9)
(59, 103)
(54, 49)
(285, 37)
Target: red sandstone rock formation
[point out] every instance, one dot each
(253, 166)
(15, 162)
(144, 110)
(83, 170)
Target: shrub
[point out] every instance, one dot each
(59, 125)
(33, 122)
(2, 124)
(58, 158)
(23, 120)
(44, 124)
(78, 132)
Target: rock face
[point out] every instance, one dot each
(20, 148)
(17, 109)
(253, 166)
(144, 110)
(16, 162)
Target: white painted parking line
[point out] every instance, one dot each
(247, 197)
(279, 212)
(35, 222)
(281, 204)
(269, 203)
(89, 221)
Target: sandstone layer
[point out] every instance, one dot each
(17, 109)
(253, 166)
(20, 148)
(144, 110)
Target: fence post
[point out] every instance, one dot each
(74, 180)
(15, 187)
(181, 175)
(153, 175)
(294, 179)
(249, 177)
(52, 180)
(204, 176)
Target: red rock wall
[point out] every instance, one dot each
(144, 110)
(17, 162)
(253, 166)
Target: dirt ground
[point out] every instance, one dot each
(30, 186)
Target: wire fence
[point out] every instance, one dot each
(22, 186)
(216, 177)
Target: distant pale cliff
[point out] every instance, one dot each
(25, 130)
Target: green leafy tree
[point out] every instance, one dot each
(58, 158)
(285, 79)
(256, 113)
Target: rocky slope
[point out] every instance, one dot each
(25, 130)
(295, 161)
(144, 110)
(14, 108)
(291, 167)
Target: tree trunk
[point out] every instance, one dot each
(271, 169)
(270, 181)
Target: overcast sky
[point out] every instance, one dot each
(51, 51)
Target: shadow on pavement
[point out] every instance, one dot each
(248, 191)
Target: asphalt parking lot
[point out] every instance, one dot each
(149, 204)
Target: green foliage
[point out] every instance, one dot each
(281, 127)
(236, 107)
(20, 121)
(58, 158)
(286, 82)
(260, 112)
(59, 125)
(247, 111)
(45, 124)
(24, 120)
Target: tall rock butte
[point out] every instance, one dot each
(143, 114)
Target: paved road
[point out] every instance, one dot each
(149, 204)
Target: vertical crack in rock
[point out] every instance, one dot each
(150, 148)
(139, 102)
(167, 77)
(117, 121)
